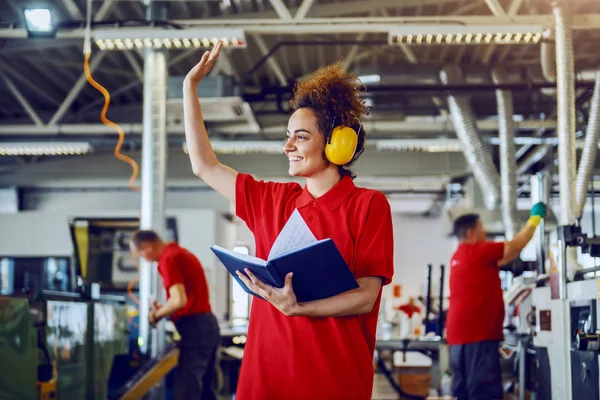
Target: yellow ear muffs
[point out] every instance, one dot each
(341, 146)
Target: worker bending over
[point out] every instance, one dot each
(476, 311)
(188, 306)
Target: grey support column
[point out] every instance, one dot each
(154, 166)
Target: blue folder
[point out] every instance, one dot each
(319, 270)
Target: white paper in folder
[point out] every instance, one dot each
(294, 234)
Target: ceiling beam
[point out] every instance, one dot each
(412, 126)
(21, 99)
(334, 9)
(273, 64)
(281, 10)
(72, 95)
(466, 8)
(349, 59)
(114, 93)
(348, 25)
(303, 10)
(73, 10)
(496, 8)
(103, 10)
(227, 65)
(15, 7)
(32, 86)
(137, 68)
(514, 7)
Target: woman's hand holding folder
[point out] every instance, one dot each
(283, 299)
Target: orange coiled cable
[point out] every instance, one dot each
(116, 127)
(118, 155)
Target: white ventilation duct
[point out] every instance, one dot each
(508, 165)
(548, 58)
(590, 148)
(565, 87)
(477, 157)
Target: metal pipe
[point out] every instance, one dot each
(579, 275)
(441, 315)
(274, 127)
(428, 271)
(417, 87)
(508, 176)
(533, 157)
(522, 351)
(590, 149)
(477, 157)
(562, 270)
(539, 192)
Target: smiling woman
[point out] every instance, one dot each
(326, 103)
(320, 349)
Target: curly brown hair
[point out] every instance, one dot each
(333, 96)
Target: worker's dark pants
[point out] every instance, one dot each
(200, 341)
(476, 373)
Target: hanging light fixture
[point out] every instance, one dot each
(466, 35)
(172, 39)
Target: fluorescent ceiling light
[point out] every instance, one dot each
(44, 149)
(455, 34)
(422, 145)
(403, 183)
(244, 147)
(153, 38)
(366, 79)
(38, 22)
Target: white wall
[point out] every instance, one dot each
(419, 241)
(51, 200)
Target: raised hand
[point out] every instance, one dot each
(200, 70)
(539, 209)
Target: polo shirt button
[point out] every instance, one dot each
(310, 218)
(314, 203)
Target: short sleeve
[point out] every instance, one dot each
(254, 198)
(375, 246)
(492, 252)
(171, 271)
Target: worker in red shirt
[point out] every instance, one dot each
(321, 349)
(188, 306)
(476, 310)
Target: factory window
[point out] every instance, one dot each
(31, 274)
(6, 276)
(240, 300)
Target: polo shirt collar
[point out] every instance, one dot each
(332, 199)
(166, 250)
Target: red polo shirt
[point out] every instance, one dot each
(301, 358)
(178, 265)
(476, 311)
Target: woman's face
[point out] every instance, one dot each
(305, 144)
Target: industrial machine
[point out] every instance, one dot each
(585, 344)
(64, 325)
(57, 344)
(566, 326)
